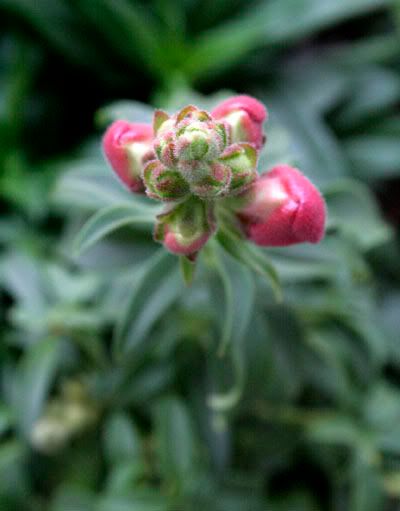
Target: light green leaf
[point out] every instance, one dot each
(121, 439)
(352, 209)
(158, 287)
(314, 146)
(238, 301)
(374, 156)
(33, 380)
(178, 459)
(270, 23)
(131, 111)
(108, 220)
(252, 257)
(188, 269)
(136, 502)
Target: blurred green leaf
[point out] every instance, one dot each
(374, 156)
(57, 23)
(108, 220)
(33, 380)
(131, 111)
(135, 502)
(252, 257)
(352, 209)
(178, 461)
(375, 90)
(121, 440)
(269, 23)
(313, 144)
(130, 29)
(158, 287)
(238, 300)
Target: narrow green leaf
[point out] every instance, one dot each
(131, 111)
(188, 269)
(158, 287)
(353, 210)
(6, 419)
(121, 439)
(34, 377)
(239, 298)
(373, 91)
(178, 459)
(134, 502)
(252, 257)
(272, 23)
(108, 220)
(374, 156)
(315, 147)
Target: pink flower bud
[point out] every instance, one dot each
(128, 146)
(163, 183)
(283, 208)
(245, 116)
(241, 159)
(186, 228)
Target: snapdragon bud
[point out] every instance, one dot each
(245, 117)
(163, 183)
(283, 208)
(186, 228)
(197, 147)
(128, 146)
(242, 162)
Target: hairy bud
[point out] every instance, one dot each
(163, 183)
(186, 228)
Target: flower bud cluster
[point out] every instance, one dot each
(194, 159)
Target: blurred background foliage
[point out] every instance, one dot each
(113, 396)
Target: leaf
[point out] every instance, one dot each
(373, 91)
(72, 498)
(130, 29)
(178, 460)
(252, 257)
(374, 156)
(58, 25)
(6, 419)
(188, 269)
(121, 440)
(352, 209)
(128, 110)
(314, 146)
(271, 23)
(91, 187)
(366, 489)
(277, 149)
(108, 220)
(238, 301)
(158, 287)
(134, 502)
(334, 429)
(34, 377)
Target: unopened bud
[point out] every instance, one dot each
(283, 208)
(245, 116)
(128, 146)
(163, 183)
(242, 161)
(186, 228)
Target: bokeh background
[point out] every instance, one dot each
(113, 397)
